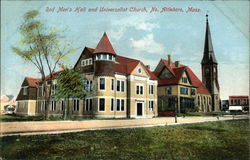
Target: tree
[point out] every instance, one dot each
(70, 84)
(43, 47)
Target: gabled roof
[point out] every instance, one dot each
(178, 72)
(104, 46)
(125, 65)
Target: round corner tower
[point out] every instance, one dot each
(104, 58)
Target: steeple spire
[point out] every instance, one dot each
(104, 45)
(208, 54)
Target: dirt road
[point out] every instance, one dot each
(55, 127)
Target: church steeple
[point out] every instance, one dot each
(208, 54)
(209, 70)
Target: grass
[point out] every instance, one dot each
(227, 140)
(15, 118)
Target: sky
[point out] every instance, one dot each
(147, 36)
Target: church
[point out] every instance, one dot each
(124, 87)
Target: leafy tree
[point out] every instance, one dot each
(70, 84)
(43, 47)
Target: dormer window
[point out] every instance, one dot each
(110, 57)
(105, 57)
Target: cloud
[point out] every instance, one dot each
(147, 44)
(138, 22)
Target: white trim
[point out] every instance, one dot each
(26, 100)
(85, 104)
(125, 104)
(120, 76)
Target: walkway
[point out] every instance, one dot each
(55, 127)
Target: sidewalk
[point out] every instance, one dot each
(55, 127)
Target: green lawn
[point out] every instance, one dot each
(227, 140)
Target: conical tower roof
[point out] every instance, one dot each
(104, 46)
(208, 56)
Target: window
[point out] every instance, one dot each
(151, 105)
(151, 89)
(122, 86)
(184, 90)
(110, 57)
(105, 56)
(120, 104)
(168, 90)
(198, 100)
(88, 85)
(98, 57)
(43, 106)
(75, 105)
(118, 83)
(62, 105)
(112, 104)
(88, 105)
(83, 63)
(90, 61)
(25, 90)
(53, 89)
(53, 105)
(192, 92)
(184, 80)
(86, 62)
(139, 89)
(102, 83)
(101, 104)
(112, 84)
(139, 70)
(43, 93)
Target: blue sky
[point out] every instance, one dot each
(145, 36)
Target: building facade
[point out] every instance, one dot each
(118, 87)
(242, 101)
(180, 89)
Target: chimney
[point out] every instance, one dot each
(177, 63)
(148, 66)
(169, 60)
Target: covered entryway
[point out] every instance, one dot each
(139, 109)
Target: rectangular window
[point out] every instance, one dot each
(192, 92)
(122, 86)
(122, 105)
(90, 61)
(98, 57)
(105, 56)
(141, 90)
(62, 105)
(151, 105)
(110, 57)
(102, 83)
(88, 85)
(43, 106)
(168, 90)
(53, 89)
(101, 104)
(137, 89)
(112, 84)
(184, 90)
(53, 105)
(86, 62)
(118, 104)
(112, 104)
(83, 63)
(151, 89)
(25, 90)
(76, 105)
(118, 85)
(88, 105)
